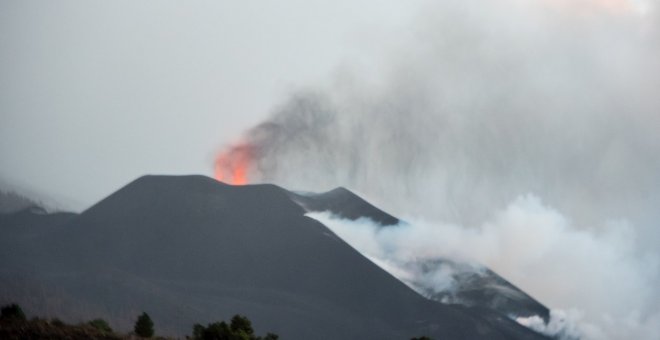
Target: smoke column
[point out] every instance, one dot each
(519, 134)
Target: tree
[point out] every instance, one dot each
(198, 331)
(12, 311)
(144, 327)
(218, 331)
(241, 326)
(270, 336)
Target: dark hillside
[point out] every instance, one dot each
(345, 204)
(189, 249)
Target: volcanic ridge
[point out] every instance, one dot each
(190, 249)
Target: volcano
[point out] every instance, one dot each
(190, 249)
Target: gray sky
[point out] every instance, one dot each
(96, 93)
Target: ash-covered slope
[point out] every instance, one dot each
(189, 249)
(474, 285)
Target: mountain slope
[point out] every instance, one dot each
(343, 203)
(474, 285)
(189, 249)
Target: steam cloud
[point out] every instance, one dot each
(599, 287)
(519, 134)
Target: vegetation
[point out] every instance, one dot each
(12, 311)
(144, 327)
(240, 328)
(57, 322)
(99, 324)
(14, 325)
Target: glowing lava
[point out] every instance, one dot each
(232, 165)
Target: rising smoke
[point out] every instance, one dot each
(519, 134)
(597, 284)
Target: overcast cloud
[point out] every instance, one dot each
(96, 93)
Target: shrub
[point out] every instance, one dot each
(56, 322)
(144, 327)
(101, 325)
(239, 328)
(241, 325)
(271, 336)
(218, 331)
(12, 311)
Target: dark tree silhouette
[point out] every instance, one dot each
(241, 324)
(239, 328)
(12, 311)
(144, 327)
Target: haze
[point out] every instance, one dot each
(519, 134)
(522, 135)
(95, 93)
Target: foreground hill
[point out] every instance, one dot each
(190, 249)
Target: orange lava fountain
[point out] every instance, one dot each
(232, 165)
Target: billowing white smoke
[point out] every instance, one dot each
(481, 103)
(561, 325)
(607, 288)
